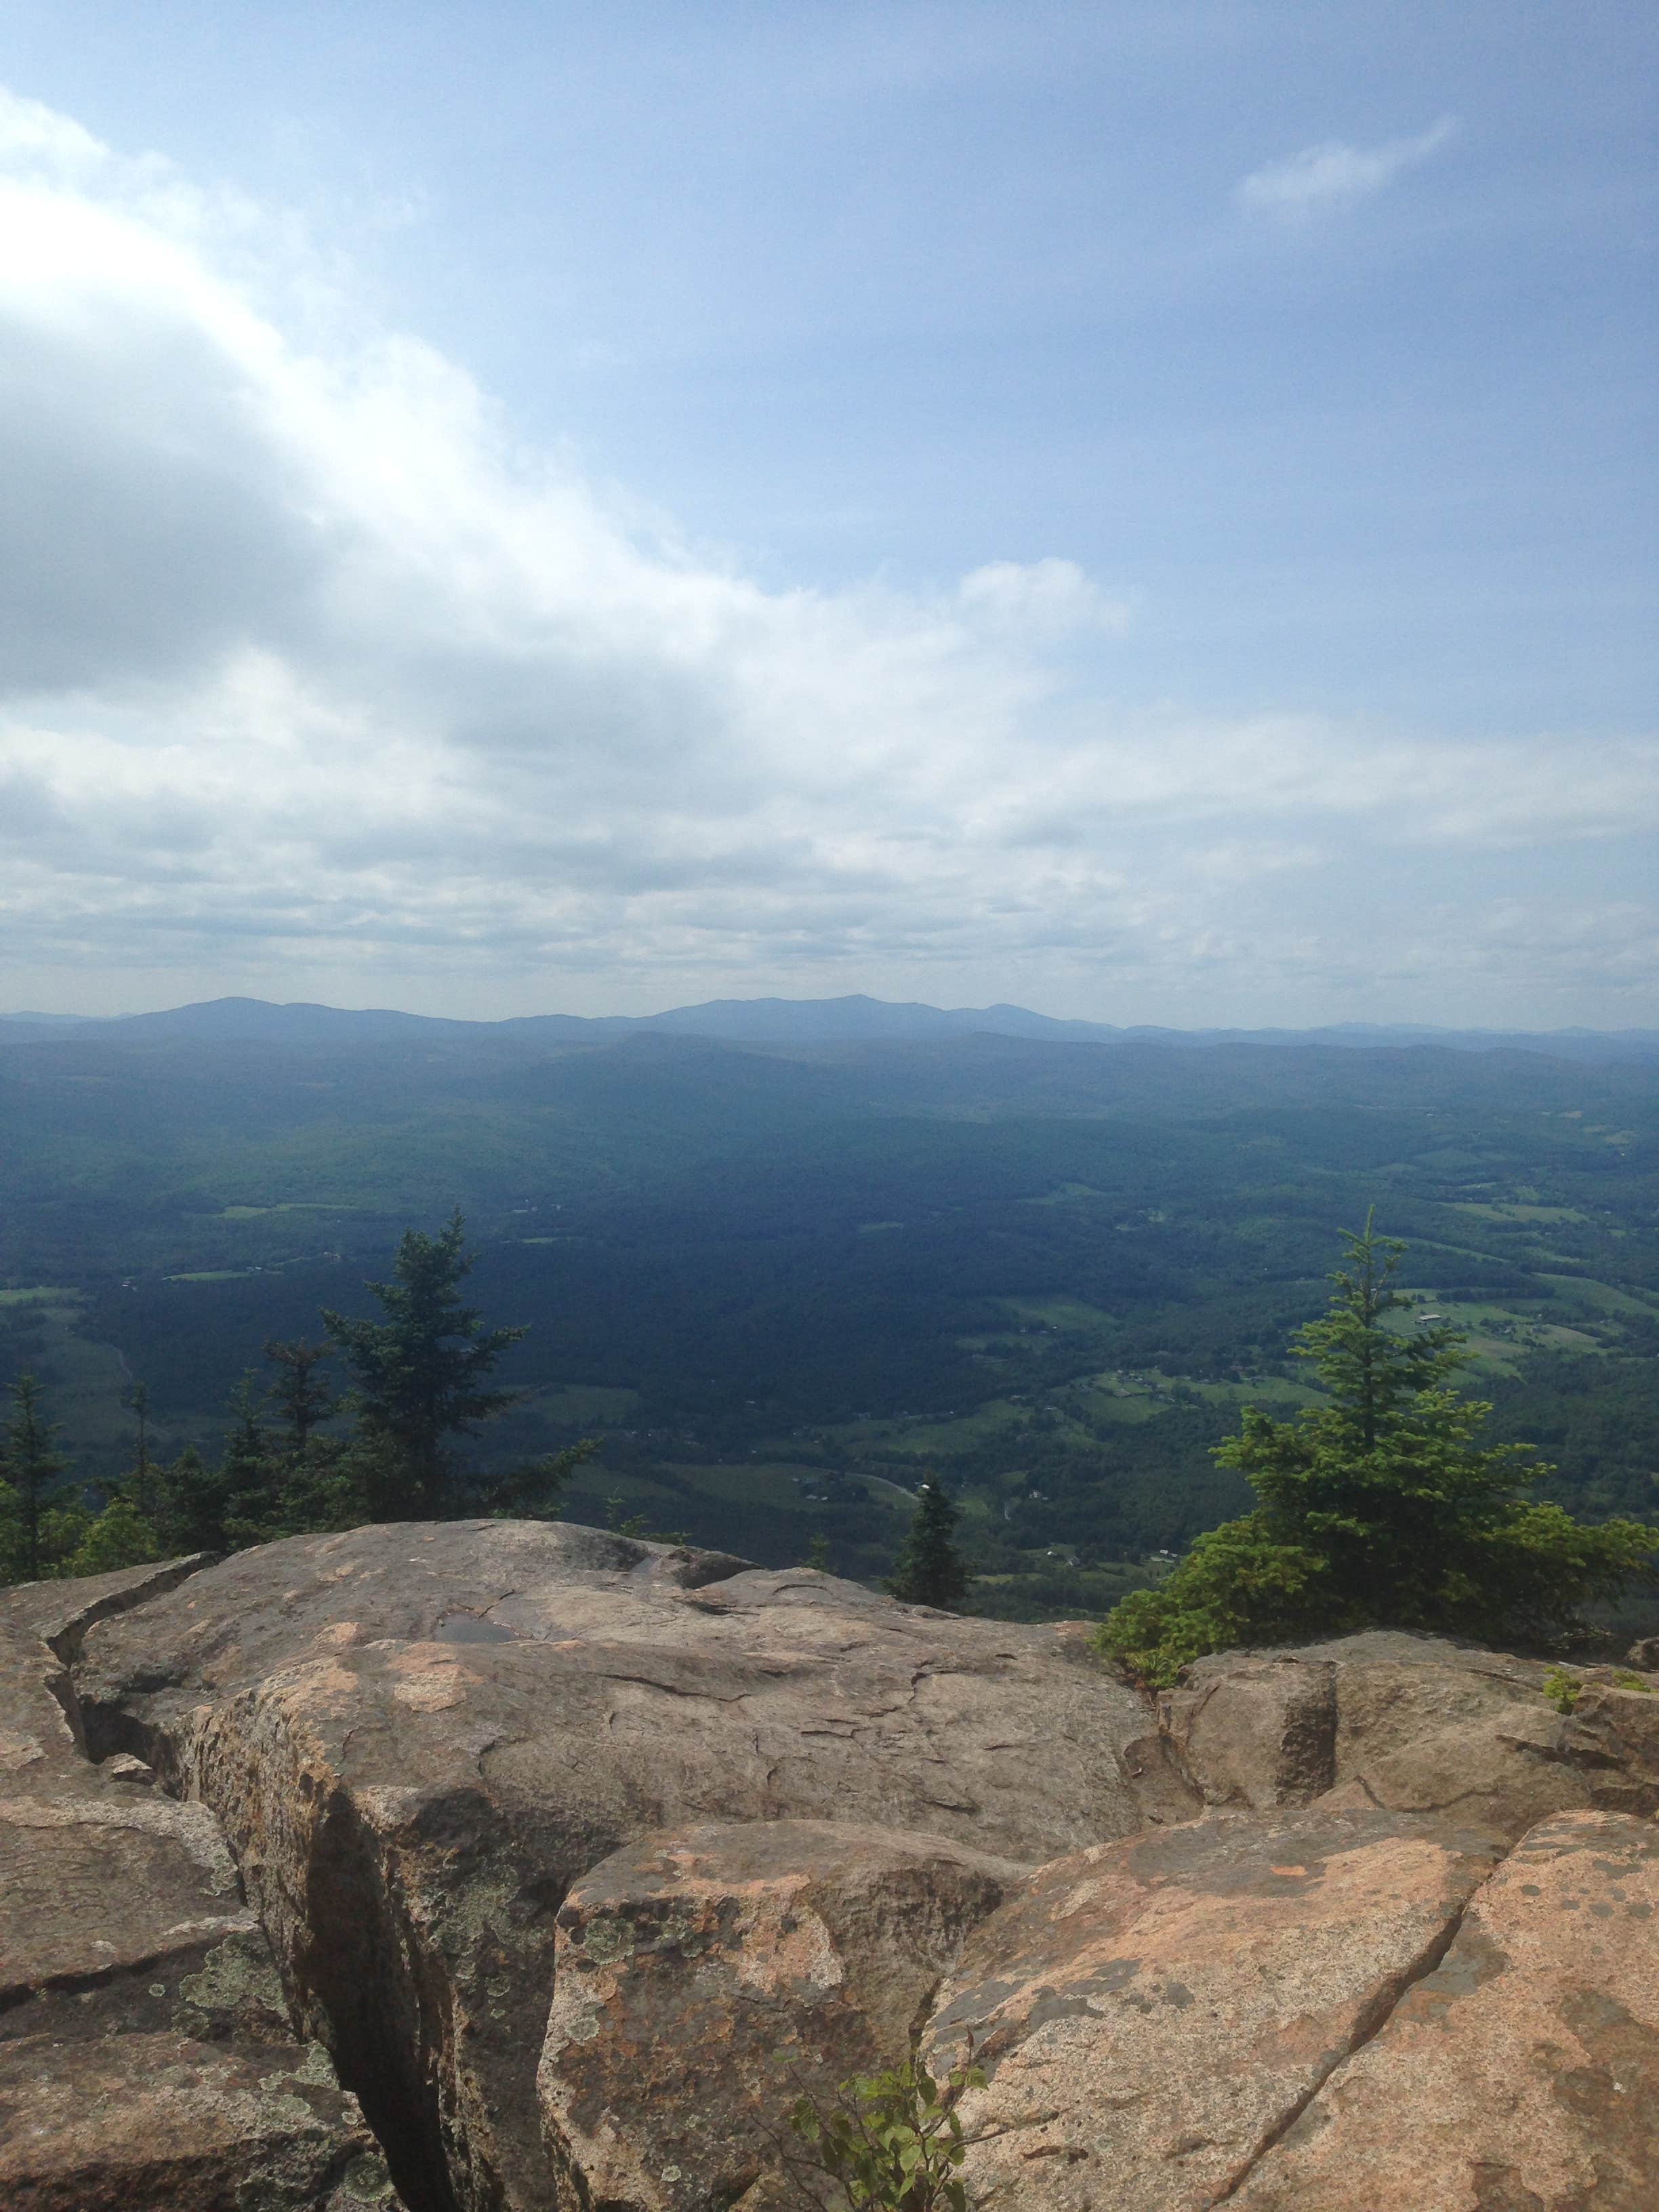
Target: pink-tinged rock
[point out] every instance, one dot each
(1612, 1736)
(416, 1739)
(165, 2124)
(1521, 2076)
(1151, 2014)
(706, 1979)
(147, 2060)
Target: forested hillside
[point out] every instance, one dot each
(776, 1282)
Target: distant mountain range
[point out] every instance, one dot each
(800, 1023)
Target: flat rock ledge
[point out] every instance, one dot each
(564, 1863)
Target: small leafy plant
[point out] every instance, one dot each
(1563, 1690)
(891, 2142)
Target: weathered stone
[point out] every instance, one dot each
(1151, 2014)
(165, 2123)
(1612, 1736)
(146, 2056)
(1256, 1730)
(417, 1738)
(1521, 2076)
(111, 1913)
(706, 1979)
(1410, 1723)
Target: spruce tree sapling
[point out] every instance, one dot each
(301, 1397)
(929, 1570)
(421, 1375)
(31, 1465)
(1378, 1507)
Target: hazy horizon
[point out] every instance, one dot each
(46, 1015)
(1141, 513)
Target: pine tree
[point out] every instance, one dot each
(140, 1484)
(1378, 1507)
(192, 1500)
(421, 1375)
(298, 1391)
(929, 1570)
(32, 1467)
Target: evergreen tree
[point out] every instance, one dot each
(421, 1375)
(140, 1486)
(250, 1474)
(1378, 1509)
(192, 1500)
(929, 1570)
(32, 1467)
(298, 1391)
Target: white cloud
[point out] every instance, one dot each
(308, 672)
(1041, 598)
(1335, 175)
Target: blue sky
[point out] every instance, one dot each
(1146, 512)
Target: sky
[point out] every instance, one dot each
(1145, 512)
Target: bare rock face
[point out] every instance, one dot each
(143, 2121)
(1258, 1731)
(416, 1739)
(1150, 2014)
(1412, 1724)
(1523, 2072)
(704, 1979)
(1355, 1927)
(146, 2055)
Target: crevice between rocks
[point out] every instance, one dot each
(1369, 2026)
(358, 1979)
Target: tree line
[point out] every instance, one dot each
(301, 1454)
(1380, 1507)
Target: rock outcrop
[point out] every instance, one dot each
(146, 2055)
(1524, 2071)
(703, 1980)
(1151, 2015)
(576, 1858)
(416, 1739)
(1414, 1724)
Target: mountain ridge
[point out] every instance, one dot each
(799, 1022)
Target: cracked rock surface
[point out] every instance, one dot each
(146, 2055)
(1524, 2071)
(1151, 2015)
(1360, 1926)
(702, 1979)
(417, 1738)
(1410, 1723)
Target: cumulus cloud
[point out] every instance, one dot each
(1335, 175)
(307, 669)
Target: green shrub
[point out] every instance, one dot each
(891, 2142)
(1563, 1690)
(1377, 1509)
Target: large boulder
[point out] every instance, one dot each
(416, 1739)
(1523, 2075)
(1151, 2014)
(146, 2054)
(704, 1979)
(1414, 1723)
